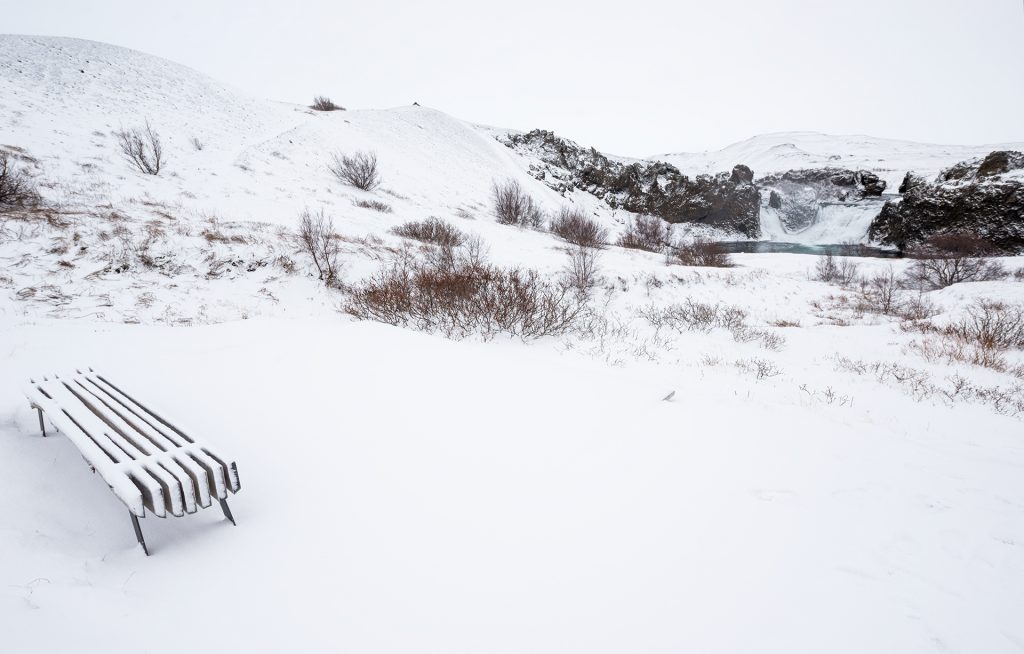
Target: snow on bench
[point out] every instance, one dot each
(148, 463)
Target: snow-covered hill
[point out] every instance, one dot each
(890, 159)
(61, 100)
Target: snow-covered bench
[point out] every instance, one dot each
(148, 463)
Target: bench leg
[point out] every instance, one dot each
(227, 512)
(138, 532)
(42, 427)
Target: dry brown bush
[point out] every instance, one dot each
(458, 293)
(360, 169)
(577, 228)
(947, 259)
(701, 252)
(316, 235)
(514, 206)
(432, 230)
(953, 350)
(142, 148)
(991, 325)
(648, 233)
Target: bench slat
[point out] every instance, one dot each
(159, 457)
(197, 485)
(160, 436)
(225, 476)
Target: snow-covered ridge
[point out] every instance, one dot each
(890, 159)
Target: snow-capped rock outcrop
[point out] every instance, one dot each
(984, 196)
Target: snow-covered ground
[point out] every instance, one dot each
(404, 492)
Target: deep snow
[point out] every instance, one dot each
(402, 492)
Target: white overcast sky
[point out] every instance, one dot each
(631, 77)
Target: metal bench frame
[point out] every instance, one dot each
(147, 462)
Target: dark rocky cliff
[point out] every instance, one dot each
(728, 200)
(983, 197)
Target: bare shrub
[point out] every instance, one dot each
(286, 263)
(768, 340)
(701, 252)
(575, 227)
(316, 234)
(196, 143)
(947, 259)
(952, 350)
(648, 233)
(1018, 275)
(142, 148)
(830, 270)
(514, 206)
(432, 230)
(991, 325)
(375, 205)
(692, 315)
(880, 293)
(17, 189)
(358, 170)
(760, 368)
(463, 294)
(323, 103)
(582, 271)
(1007, 400)
(917, 308)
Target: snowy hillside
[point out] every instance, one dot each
(749, 458)
(61, 100)
(890, 159)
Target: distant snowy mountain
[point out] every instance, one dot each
(890, 159)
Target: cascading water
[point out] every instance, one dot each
(834, 222)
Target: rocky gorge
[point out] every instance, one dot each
(983, 196)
